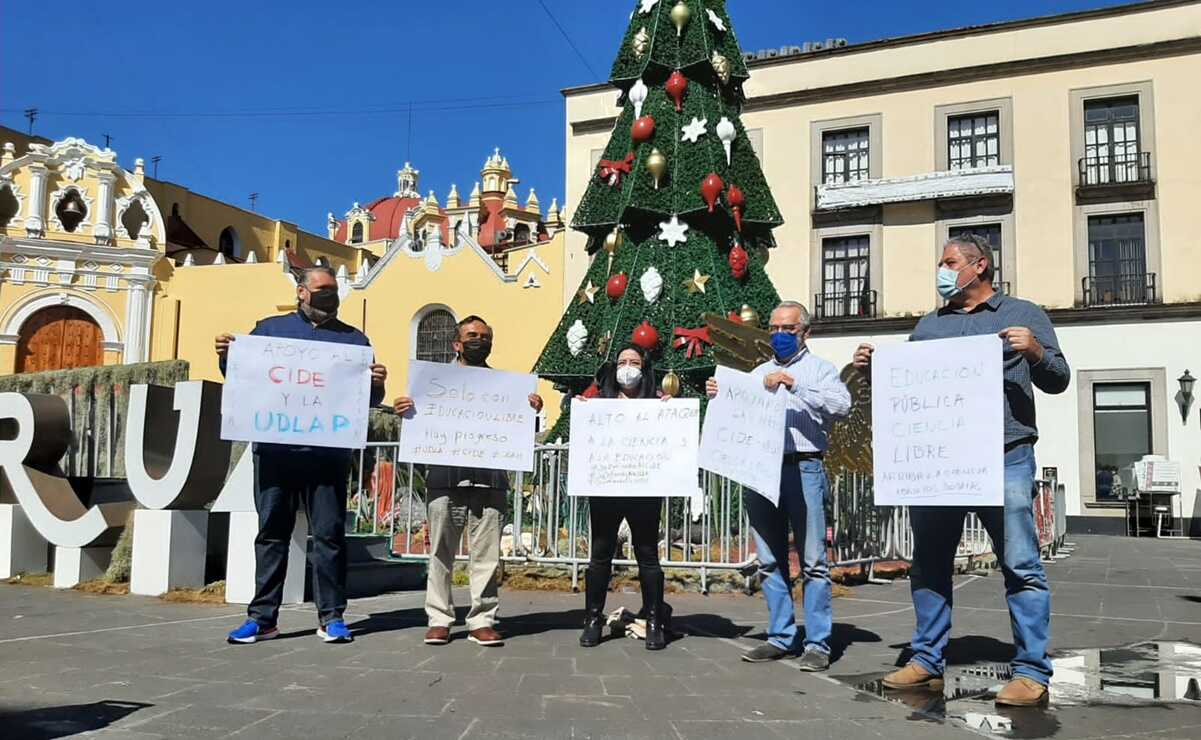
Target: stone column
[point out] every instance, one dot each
(137, 319)
(103, 230)
(35, 223)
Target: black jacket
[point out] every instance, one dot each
(443, 477)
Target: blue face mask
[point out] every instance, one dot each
(948, 282)
(785, 345)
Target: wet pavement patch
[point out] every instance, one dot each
(1143, 675)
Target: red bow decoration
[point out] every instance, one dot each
(693, 339)
(613, 169)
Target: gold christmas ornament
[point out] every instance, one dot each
(587, 294)
(602, 344)
(656, 164)
(748, 315)
(671, 384)
(680, 15)
(696, 283)
(613, 240)
(641, 42)
(721, 66)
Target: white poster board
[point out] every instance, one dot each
(938, 423)
(469, 417)
(626, 447)
(743, 435)
(296, 392)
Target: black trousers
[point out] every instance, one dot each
(642, 512)
(282, 484)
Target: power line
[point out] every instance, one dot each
(461, 104)
(570, 43)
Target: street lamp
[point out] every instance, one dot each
(1186, 382)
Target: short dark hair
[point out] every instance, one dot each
(974, 246)
(303, 276)
(469, 320)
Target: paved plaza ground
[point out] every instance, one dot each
(76, 664)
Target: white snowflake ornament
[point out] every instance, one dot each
(577, 337)
(648, 4)
(673, 231)
(652, 284)
(694, 130)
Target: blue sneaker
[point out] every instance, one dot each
(252, 631)
(335, 631)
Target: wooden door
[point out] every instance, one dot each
(59, 338)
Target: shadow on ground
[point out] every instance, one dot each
(64, 721)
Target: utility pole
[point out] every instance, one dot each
(108, 139)
(155, 160)
(254, 197)
(32, 115)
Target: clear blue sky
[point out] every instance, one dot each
(306, 101)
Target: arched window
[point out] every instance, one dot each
(134, 219)
(9, 206)
(71, 211)
(228, 243)
(356, 234)
(521, 233)
(435, 332)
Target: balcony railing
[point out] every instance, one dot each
(854, 305)
(1126, 169)
(1123, 289)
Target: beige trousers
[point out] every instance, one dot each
(448, 512)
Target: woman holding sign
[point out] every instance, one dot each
(632, 377)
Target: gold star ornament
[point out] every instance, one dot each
(587, 294)
(696, 283)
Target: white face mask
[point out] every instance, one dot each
(628, 376)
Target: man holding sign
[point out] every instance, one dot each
(1031, 357)
(470, 493)
(290, 475)
(815, 398)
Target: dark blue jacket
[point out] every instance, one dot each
(295, 326)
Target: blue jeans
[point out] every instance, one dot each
(936, 532)
(802, 505)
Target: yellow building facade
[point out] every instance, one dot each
(1070, 142)
(103, 265)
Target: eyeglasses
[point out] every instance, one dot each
(786, 328)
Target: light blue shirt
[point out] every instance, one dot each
(818, 397)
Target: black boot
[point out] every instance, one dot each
(658, 614)
(596, 587)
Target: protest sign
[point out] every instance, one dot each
(469, 417)
(625, 447)
(938, 423)
(743, 435)
(297, 392)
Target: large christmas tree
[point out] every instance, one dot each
(678, 213)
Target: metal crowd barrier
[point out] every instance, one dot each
(705, 533)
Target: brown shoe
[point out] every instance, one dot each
(486, 636)
(913, 676)
(437, 636)
(1023, 692)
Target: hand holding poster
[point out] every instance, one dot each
(938, 423)
(743, 436)
(470, 417)
(626, 447)
(297, 392)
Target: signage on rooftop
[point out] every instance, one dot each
(787, 51)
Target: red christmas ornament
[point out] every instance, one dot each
(645, 336)
(711, 187)
(643, 129)
(736, 200)
(738, 260)
(616, 287)
(676, 85)
(591, 391)
(735, 317)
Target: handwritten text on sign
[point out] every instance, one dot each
(470, 417)
(743, 436)
(633, 447)
(298, 392)
(938, 423)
